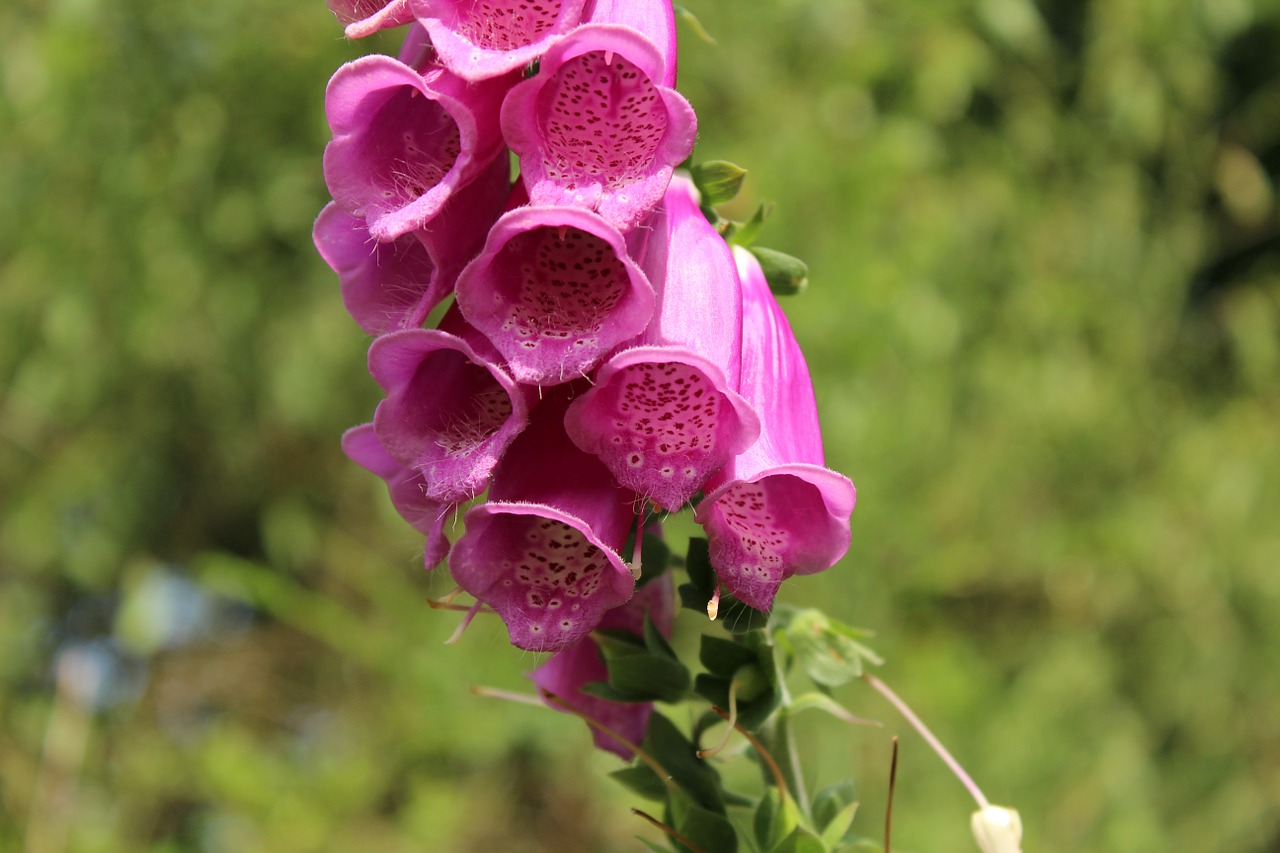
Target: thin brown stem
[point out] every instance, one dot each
(778, 778)
(653, 821)
(893, 784)
(601, 727)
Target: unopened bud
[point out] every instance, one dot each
(997, 830)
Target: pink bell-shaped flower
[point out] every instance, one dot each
(596, 127)
(404, 142)
(450, 412)
(554, 289)
(479, 39)
(663, 415)
(394, 285)
(582, 663)
(407, 489)
(775, 511)
(543, 552)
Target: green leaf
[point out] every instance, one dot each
(828, 802)
(787, 275)
(709, 830)
(616, 643)
(833, 833)
(670, 748)
(826, 654)
(656, 643)
(801, 840)
(649, 678)
(723, 657)
(718, 180)
(697, 563)
(641, 780)
(773, 820)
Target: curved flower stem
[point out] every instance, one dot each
(601, 727)
(653, 821)
(732, 719)
(778, 778)
(919, 726)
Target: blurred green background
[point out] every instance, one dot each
(1044, 325)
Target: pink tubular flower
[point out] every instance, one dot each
(663, 415)
(385, 286)
(568, 670)
(554, 290)
(450, 413)
(775, 511)
(596, 128)
(394, 285)
(362, 18)
(479, 39)
(543, 552)
(404, 142)
(407, 488)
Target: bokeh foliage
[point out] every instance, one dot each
(1044, 323)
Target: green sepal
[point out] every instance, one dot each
(718, 181)
(745, 233)
(671, 749)
(642, 781)
(833, 810)
(787, 275)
